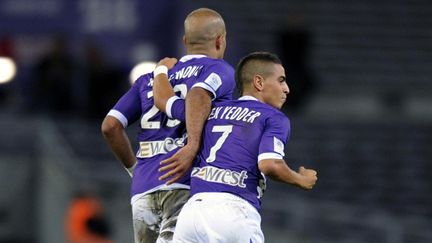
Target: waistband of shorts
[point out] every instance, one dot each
(163, 187)
(221, 197)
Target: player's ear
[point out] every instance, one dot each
(220, 40)
(184, 40)
(258, 82)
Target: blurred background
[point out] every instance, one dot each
(360, 106)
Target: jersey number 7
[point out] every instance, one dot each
(225, 130)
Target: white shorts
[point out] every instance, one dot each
(218, 217)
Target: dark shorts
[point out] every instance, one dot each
(155, 215)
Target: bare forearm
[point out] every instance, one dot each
(118, 141)
(278, 170)
(162, 91)
(122, 149)
(283, 173)
(198, 106)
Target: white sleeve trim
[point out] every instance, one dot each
(169, 104)
(211, 83)
(206, 87)
(119, 116)
(269, 156)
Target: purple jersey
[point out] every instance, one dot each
(161, 135)
(237, 135)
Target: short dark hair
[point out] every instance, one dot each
(252, 64)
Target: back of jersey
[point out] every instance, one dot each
(237, 135)
(161, 136)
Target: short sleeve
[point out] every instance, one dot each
(274, 138)
(128, 108)
(175, 108)
(219, 80)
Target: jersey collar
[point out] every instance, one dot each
(190, 57)
(248, 97)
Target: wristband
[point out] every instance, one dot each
(131, 169)
(159, 70)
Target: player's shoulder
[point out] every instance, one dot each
(276, 112)
(254, 103)
(280, 117)
(268, 112)
(144, 79)
(216, 61)
(218, 64)
(219, 103)
(265, 109)
(208, 65)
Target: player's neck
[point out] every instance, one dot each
(253, 94)
(202, 51)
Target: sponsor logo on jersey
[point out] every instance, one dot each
(223, 176)
(278, 146)
(149, 149)
(214, 81)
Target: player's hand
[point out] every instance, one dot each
(178, 164)
(169, 62)
(309, 177)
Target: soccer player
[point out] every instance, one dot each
(243, 142)
(155, 205)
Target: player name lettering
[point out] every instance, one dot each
(234, 113)
(224, 176)
(186, 72)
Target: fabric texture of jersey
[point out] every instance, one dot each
(161, 136)
(237, 135)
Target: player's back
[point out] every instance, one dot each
(161, 136)
(237, 135)
(185, 74)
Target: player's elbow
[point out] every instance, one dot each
(160, 103)
(110, 126)
(202, 95)
(269, 167)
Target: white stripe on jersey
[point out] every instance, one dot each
(269, 156)
(119, 116)
(169, 104)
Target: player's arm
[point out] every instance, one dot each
(163, 94)
(219, 82)
(271, 153)
(198, 106)
(117, 139)
(127, 110)
(278, 170)
(162, 89)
